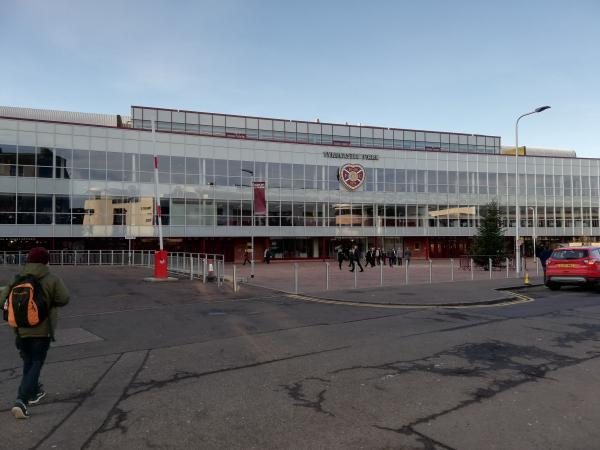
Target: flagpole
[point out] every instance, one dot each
(157, 198)
(251, 172)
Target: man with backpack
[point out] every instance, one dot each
(29, 305)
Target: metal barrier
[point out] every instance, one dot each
(482, 262)
(314, 277)
(203, 266)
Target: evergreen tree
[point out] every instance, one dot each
(489, 240)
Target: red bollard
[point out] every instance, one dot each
(160, 264)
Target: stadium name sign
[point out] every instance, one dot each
(350, 156)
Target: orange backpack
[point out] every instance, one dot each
(24, 306)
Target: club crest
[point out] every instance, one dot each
(352, 176)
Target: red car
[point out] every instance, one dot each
(573, 265)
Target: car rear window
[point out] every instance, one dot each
(570, 254)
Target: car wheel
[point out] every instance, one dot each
(553, 286)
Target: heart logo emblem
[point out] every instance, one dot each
(352, 176)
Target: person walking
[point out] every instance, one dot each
(378, 256)
(545, 254)
(340, 256)
(268, 255)
(392, 257)
(407, 256)
(246, 257)
(34, 284)
(369, 257)
(355, 259)
(398, 256)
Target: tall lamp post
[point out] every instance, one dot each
(518, 219)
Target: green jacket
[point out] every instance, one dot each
(55, 294)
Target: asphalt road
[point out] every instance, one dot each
(181, 365)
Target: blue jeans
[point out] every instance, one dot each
(33, 352)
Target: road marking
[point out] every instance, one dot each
(517, 299)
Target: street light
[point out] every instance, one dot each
(517, 246)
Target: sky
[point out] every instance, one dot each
(462, 66)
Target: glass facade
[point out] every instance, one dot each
(316, 133)
(76, 180)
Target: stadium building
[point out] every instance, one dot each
(80, 180)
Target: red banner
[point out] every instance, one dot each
(260, 202)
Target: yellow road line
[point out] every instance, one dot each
(518, 298)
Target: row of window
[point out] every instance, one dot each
(311, 133)
(58, 163)
(48, 209)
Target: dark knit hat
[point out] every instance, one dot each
(38, 255)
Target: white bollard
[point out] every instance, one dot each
(406, 273)
(205, 268)
(381, 274)
(235, 288)
(507, 264)
(191, 267)
(355, 279)
(451, 269)
(471, 269)
(217, 271)
(430, 263)
(220, 269)
(295, 278)
(326, 276)
(490, 267)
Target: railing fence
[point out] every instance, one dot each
(201, 266)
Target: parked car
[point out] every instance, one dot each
(573, 266)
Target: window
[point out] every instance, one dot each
(7, 208)
(8, 160)
(25, 209)
(563, 254)
(62, 206)
(26, 161)
(44, 162)
(43, 209)
(81, 164)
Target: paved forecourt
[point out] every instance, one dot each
(187, 365)
(317, 276)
